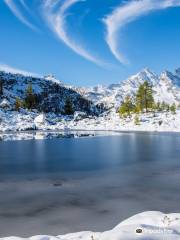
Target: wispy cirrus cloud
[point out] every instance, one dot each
(24, 4)
(17, 12)
(7, 68)
(127, 13)
(55, 15)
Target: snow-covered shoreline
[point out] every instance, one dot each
(147, 225)
(29, 122)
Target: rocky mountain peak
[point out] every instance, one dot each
(145, 75)
(165, 87)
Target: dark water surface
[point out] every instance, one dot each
(65, 185)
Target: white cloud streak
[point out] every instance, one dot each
(127, 13)
(10, 69)
(57, 22)
(24, 4)
(15, 10)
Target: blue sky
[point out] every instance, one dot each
(90, 42)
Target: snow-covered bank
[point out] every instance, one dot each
(12, 121)
(144, 226)
(166, 122)
(94, 108)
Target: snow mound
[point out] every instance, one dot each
(79, 115)
(144, 226)
(39, 119)
(4, 103)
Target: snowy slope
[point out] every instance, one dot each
(166, 88)
(143, 226)
(50, 93)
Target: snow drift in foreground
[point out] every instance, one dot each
(144, 226)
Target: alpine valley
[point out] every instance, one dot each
(58, 106)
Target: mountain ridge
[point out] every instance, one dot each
(166, 88)
(50, 93)
(92, 100)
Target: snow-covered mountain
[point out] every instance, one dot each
(51, 94)
(166, 88)
(90, 104)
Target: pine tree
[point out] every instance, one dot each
(158, 106)
(137, 109)
(167, 107)
(122, 110)
(127, 107)
(18, 104)
(144, 97)
(30, 98)
(136, 120)
(163, 106)
(140, 98)
(154, 107)
(173, 108)
(68, 108)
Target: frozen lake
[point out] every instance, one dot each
(65, 185)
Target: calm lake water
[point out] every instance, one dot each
(65, 185)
